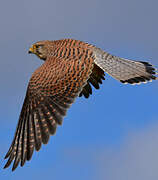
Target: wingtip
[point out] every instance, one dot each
(13, 168)
(6, 156)
(6, 165)
(8, 153)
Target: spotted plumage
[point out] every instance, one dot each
(69, 70)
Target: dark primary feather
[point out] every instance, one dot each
(34, 128)
(95, 79)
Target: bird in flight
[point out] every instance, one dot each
(69, 70)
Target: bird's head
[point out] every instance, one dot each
(40, 49)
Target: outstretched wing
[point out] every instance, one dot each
(52, 89)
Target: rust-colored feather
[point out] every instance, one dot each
(53, 87)
(69, 70)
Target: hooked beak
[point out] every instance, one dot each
(30, 51)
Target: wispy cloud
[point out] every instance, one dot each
(136, 159)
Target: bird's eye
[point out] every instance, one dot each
(38, 48)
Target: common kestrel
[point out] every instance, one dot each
(70, 68)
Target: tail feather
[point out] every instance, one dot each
(124, 70)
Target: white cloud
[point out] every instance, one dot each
(137, 158)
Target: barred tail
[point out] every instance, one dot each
(126, 71)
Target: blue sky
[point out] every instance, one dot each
(101, 136)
